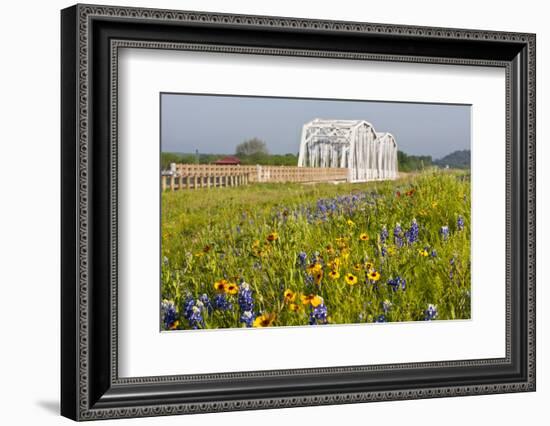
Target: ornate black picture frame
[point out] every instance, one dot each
(91, 36)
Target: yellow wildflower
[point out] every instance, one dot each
(334, 264)
(313, 268)
(274, 236)
(374, 276)
(289, 296)
(265, 320)
(316, 301)
(294, 307)
(231, 288)
(351, 279)
(306, 299)
(318, 276)
(220, 285)
(334, 274)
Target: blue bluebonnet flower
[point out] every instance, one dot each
(206, 303)
(318, 315)
(383, 251)
(324, 208)
(397, 282)
(386, 305)
(245, 299)
(302, 259)
(247, 317)
(192, 312)
(221, 302)
(398, 235)
(430, 313)
(433, 253)
(194, 316)
(444, 232)
(384, 235)
(168, 313)
(165, 260)
(412, 233)
(380, 318)
(246, 304)
(460, 223)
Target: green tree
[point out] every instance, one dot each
(252, 147)
(409, 163)
(169, 157)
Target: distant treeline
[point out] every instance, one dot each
(265, 159)
(454, 160)
(406, 162)
(410, 163)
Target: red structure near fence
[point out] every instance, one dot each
(228, 161)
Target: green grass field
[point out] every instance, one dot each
(294, 254)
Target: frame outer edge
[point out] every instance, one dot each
(69, 220)
(82, 139)
(531, 204)
(80, 207)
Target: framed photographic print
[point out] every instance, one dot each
(263, 212)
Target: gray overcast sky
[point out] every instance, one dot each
(217, 124)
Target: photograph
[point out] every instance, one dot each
(279, 211)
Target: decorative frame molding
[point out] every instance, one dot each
(91, 37)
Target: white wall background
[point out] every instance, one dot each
(29, 211)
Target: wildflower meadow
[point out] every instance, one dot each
(293, 254)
